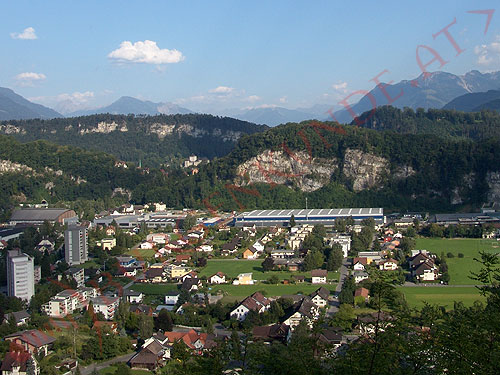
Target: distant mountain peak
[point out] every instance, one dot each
(15, 107)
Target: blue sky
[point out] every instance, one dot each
(213, 55)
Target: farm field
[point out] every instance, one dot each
(160, 289)
(443, 296)
(233, 267)
(459, 268)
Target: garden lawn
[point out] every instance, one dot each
(443, 296)
(459, 268)
(233, 267)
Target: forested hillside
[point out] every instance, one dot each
(84, 180)
(338, 166)
(153, 140)
(440, 122)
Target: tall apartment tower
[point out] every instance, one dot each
(20, 275)
(75, 245)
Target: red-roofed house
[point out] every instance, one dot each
(18, 363)
(34, 341)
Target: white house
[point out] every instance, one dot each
(256, 302)
(205, 248)
(359, 276)
(358, 266)
(244, 279)
(320, 297)
(132, 296)
(146, 245)
(388, 265)
(171, 297)
(105, 305)
(218, 278)
(319, 276)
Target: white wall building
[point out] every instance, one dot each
(20, 275)
(75, 245)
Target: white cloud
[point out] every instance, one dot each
(66, 103)
(146, 52)
(29, 78)
(341, 86)
(253, 98)
(283, 99)
(221, 90)
(488, 53)
(27, 34)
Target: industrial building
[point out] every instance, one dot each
(325, 216)
(37, 216)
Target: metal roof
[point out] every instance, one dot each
(314, 212)
(37, 214)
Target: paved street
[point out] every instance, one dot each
(334, 302)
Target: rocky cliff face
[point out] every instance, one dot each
(278, 167)
(493, 181)
(364, 169)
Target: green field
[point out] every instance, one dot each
(160, 289)
(239, 290)
(141, 254)
(443, 296)
(459, 268)
(232, 268)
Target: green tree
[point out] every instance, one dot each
(268, 264)
(146, 326)
(314, 259)
(164, 321)
(292, 221)
(335, 258)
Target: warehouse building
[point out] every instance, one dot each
(37, 216)
(325, 216)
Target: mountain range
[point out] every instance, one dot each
(14, 106)
(434, 90)
(129, 105)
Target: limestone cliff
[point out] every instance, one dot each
(278, 167)
(364, 169)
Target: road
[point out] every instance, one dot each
(334, 302)
(99, 366)
(409, 284)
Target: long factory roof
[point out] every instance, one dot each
(314, 212)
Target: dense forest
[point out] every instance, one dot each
(139, 138)
(439, 122)
(440, 165)
(61, 174)
(439, 169)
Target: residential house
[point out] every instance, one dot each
(18, 362)
(33, 341)
(319, 276)
(292, 265)
(110, 231)
(217, 278)
(422, 266)
(171, 297)
(146, 245)
(176, 271)
(271, 333)
(342, 240)
(107, 243)
(182, 258)
(191, 284)
(388, 265)
(69, 300)
(359, 263)
(362, 293)
(158, 238)
(256, 302)
(104, 326)
(141, 309)
(45, 246)
(244, 279)
(205, 248)
(359, 276)
(20, 317)
(189, 275)
(368, 323)
(126, 261)
(320, 297)
(131, 296)
(153, 354)
(250, 253)
(105, 305)
(282, 253)
(155, 275)
(305, 310)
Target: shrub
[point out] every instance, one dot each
(450, 255)
(460, 255)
